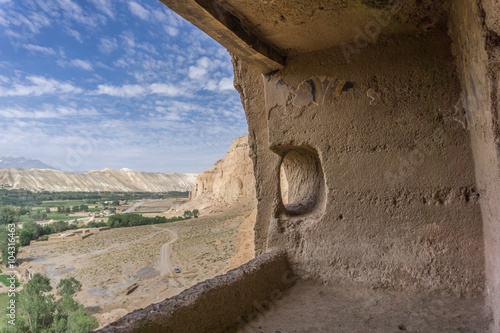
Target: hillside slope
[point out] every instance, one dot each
(123, 180)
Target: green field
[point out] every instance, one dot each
(5, 282)
(61, 217)
(4, 301)
(64, 203)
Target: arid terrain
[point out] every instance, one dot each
(129, 268)
(124, 180)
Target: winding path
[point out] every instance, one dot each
(166, 267)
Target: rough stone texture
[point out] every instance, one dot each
(245, 247)
(316, 308)
(220, 304)
(230, 181)
(297, 26)
(124, 180)
(400, 208)
(475, 29)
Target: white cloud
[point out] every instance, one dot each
(83, 64)
(165, 89)
(171, 31)
(134, 90)
(104, 6)
(75, 34)
(226, 84)
(38, 48)
(138, 10)
(129, 38)
(79, 63)
(75, 12)
(107, 45)
(39, 86)
(46, 111)
(197, 73)
(123, 91)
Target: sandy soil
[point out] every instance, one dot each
(154, 205)
(314, 308)
(109, 263)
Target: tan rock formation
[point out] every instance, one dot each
(228, 186)
(245, 248)
(229, 182)
(124, 180)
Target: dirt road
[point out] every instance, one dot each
(166, 267)
(134, 207)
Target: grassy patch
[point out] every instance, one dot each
(61, 217)
(4, 301)
(5, 282)
(64, 203)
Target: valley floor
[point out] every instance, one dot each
(129, 268)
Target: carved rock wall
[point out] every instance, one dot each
(475, 31)
(381, 187)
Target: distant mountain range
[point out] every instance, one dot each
(22, 163)
(124, 180)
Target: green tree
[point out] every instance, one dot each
(35, 305)
(35, 228)
(25, 237)
(4, 245)
(24, 210)
(42, 313)
(196, 212)
(8, 215)
(46, 230)
(188, 213)
(75, 209)
(84, 208)
(80, 321)
(47, 210)
(60, 209)
(69, 287)
(116, 203)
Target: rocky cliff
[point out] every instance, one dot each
(123, 180)
(230, 187)
(229, 182)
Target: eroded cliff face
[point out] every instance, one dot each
(124, 180)
(229, 182)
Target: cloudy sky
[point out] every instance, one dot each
(90, 84)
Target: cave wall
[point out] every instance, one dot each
(475, 28)
(378, 162)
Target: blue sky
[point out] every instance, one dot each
(90, 84)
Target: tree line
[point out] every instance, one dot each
(134, 219)
(22, 198)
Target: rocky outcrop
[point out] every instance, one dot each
(124, 180)
(245, 248)
(229, 182)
